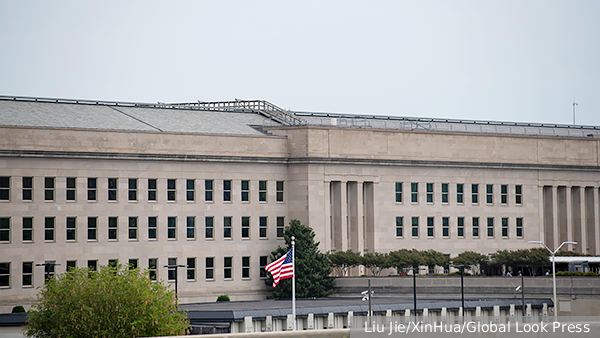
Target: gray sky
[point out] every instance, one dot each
(489, 60)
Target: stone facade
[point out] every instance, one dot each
(361, 189)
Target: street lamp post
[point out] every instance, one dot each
(47, 266)
(176, 267)
(462, 285)
(553, 253)
(414, 270)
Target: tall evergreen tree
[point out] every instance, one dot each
(313, 268)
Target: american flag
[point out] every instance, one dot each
(282, 268)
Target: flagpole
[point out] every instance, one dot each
(294, 282)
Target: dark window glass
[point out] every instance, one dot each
(49, 229)
(209, 222)
(280, 226)
(132, 227)
(113, 228)
(227, 191)
(152, 189)
(71, 186)
(92, 189)
(92, 228)
(27, 188)
(171, 227)
(4, 188)
(27, 229)
(71, 228)
(151, 227)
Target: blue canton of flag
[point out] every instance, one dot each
(282, 268)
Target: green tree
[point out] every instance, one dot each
(341, 261)
(113, 302)
(375, 262)
(404, 258)
(432, 258)
(469, 258)
(312, 267)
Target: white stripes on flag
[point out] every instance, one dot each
(282, 268)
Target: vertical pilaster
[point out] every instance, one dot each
(569, 200)
(344, 214)
(360, 207)
(327, 220)
(582, 247)
(542, 219)
(596, 201)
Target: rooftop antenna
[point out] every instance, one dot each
(574, 104)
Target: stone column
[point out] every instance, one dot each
(327, 220)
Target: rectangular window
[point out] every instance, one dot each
(445, 227)
(49, 229)
(5, 188)
(27, 188)
(227, 227)
(398, 192)
(460, 227)
(227, 191)
(415, 226)
(262, 227)
(460, 193)
(152, 189)
(475, 226)
(27, 229)
(209, 223)
(71, 228)
(92, 229)
(113, 263)
(132, 189)
(400, 226)
(190, 190)
(445, 193)
(152, 227)
(92, 190)
(71, 265)
(430, 228)
(132, 228)
(27, 273)
(152, 268)
(210, 267)
(262, 191)
(5, 274)
(504, 194)
(519, 227)
(133, 263)
(245, 191)
(191, 227)
(245, 267)
(172, 227)
(93, 265)
(414, 192)
(113, 228)
(71, 188)
(490, 227)
(429, 192)
(280, 226)
(112, 189)
(171, 189)
(475, 193)
(171, 269)
(227, 266)
(489, 193)
(504, 227)
(208, 190)
(279, 187)
(49, 269)
(245, 227)
(191, 268)
(518, 194)
(262, 263)
(48, 188)
(5, 229)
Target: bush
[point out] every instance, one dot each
(223, 298)
(578, 273)
(112, 302)
(18, 309)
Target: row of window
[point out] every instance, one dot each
(112, 227)
(112, 191)
(210, 264)
(460, 193)
(461, 227)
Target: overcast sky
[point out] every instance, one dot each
(489, 60)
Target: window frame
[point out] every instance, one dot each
(209, 189)
(71, 189)
(191, 269)
(5, 188)
(399, 227)
(280, 226)
(399, 192)
(71, 229)
(29, 229)
(92, 189)
(5, 277)
(27, 188)
(446, 193)
(132, 228)
(414, 192)
(245, 189)
(209, 227)
(132, 189)
(280, 191)
(27, 274)
(504, 227)
(49, 189)
(430, 227)
(190, 229)
(92, 229)
(415, 227)
(172, 228)
(263, 223)
(489, 194)
(504, 194)
(460, 227)
(113, 228)
(152, 190)
(262, 191)
(228, 268)
(5, 230)
(475, 227)
(490, 227)
(153, 269)
(262, 262)
(227, 184)
(460, 193)
(519, 194)
(50, 230)
(227, 227)
(113, 189)
(245, 226)
(171, 190)
(445, 227)
(190, 190)
(474, 193)
(519, 227)
(246, 267)
(152, 228)
(209, 268)
(430, 193)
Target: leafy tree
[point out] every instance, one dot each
(312, 267)
(343, 260)
(432, 258)
(113, 302)
(404, 258)
(470, 258)
(375, 262)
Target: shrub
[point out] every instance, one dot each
(18, 309)
(223, 298)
